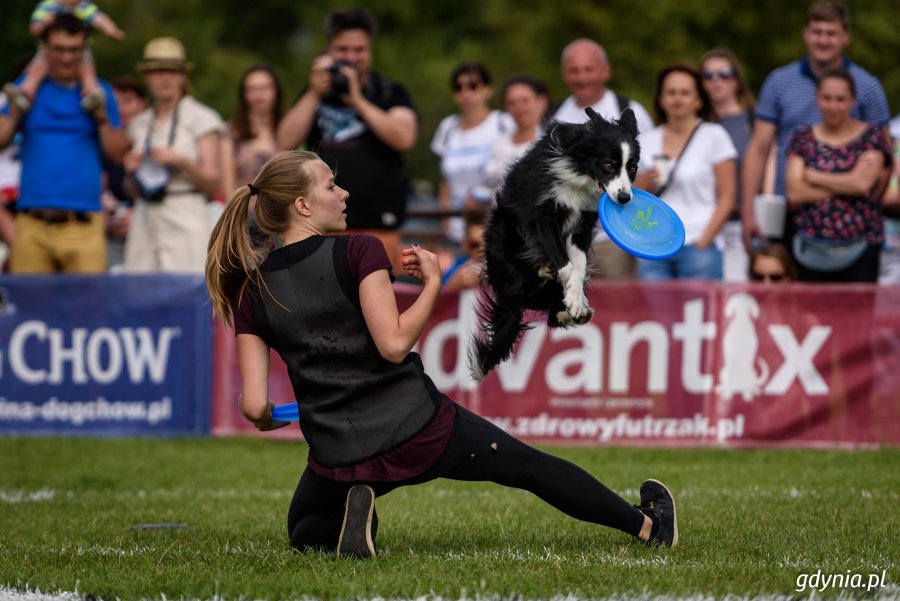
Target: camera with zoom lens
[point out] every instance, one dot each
(152, 180)
(339, 83)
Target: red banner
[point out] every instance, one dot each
(675, 364)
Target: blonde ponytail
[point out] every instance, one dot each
(232, 260)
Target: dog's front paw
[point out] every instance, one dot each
(564, 320)
(547, 272)
(585, 317)
(576, 304)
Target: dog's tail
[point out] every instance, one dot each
(501, 328)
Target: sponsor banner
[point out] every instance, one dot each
(100, 355)
(669, 363)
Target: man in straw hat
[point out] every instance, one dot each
(60, 227)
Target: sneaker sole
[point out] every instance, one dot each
(356, 532)
(15, 96)
(674, 512)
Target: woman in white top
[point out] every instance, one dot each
(175, 161)
(690, 162)
(464, 141)
(525, 100)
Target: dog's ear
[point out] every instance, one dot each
(595, 117)
(566, 135)
(628, 122)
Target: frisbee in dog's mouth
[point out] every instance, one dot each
(645, 226)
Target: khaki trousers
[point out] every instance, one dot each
(70, 247)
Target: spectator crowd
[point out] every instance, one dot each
(796, 183)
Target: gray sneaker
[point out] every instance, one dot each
(17, 97)
(658, 501)
(356, 533)
(96, 99)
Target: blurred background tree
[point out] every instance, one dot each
(418, 43)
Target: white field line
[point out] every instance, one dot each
(889, 593)
(18, 496)
(274, 549)
(14, 497)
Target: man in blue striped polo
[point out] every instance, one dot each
(788, 99)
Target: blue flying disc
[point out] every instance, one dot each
(286, 413)
(646, 227)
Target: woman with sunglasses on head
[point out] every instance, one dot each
(833, 174)
(464, 142)
(732, 103)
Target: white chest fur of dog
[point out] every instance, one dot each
(542, 227)
(580, 192)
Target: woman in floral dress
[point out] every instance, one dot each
(834, 188)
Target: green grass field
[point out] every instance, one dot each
(750, 522)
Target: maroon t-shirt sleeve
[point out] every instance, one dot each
(244, 321)
(365, 255)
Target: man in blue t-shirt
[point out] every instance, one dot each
(59, 227)
(788, 99)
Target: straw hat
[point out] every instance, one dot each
(164, 53)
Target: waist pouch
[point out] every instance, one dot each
(821, 254)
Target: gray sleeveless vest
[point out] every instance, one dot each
(353, 403)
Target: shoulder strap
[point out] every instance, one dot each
(678, 160)
(623, 101)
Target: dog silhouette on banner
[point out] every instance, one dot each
(742, 372)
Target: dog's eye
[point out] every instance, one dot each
(608, 167)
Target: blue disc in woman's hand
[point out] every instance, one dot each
(646, 227)
(286, 413)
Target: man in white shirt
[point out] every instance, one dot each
(585, 71)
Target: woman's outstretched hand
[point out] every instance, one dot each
(421, 264)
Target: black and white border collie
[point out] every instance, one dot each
(538, 235)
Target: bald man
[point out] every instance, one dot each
(586, 71)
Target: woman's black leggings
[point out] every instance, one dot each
(478, 451)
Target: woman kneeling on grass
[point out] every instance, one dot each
(373, 419)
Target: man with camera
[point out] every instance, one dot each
(360, 123)
(59, 228)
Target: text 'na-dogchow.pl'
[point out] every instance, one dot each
(539, 233)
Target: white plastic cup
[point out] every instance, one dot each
(770, 211)
(662, 162)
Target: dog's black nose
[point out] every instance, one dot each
(623, 197)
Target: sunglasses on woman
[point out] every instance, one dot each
(459, 86)
(721, 74)
(772, 277)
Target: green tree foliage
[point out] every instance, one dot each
(418, 43)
